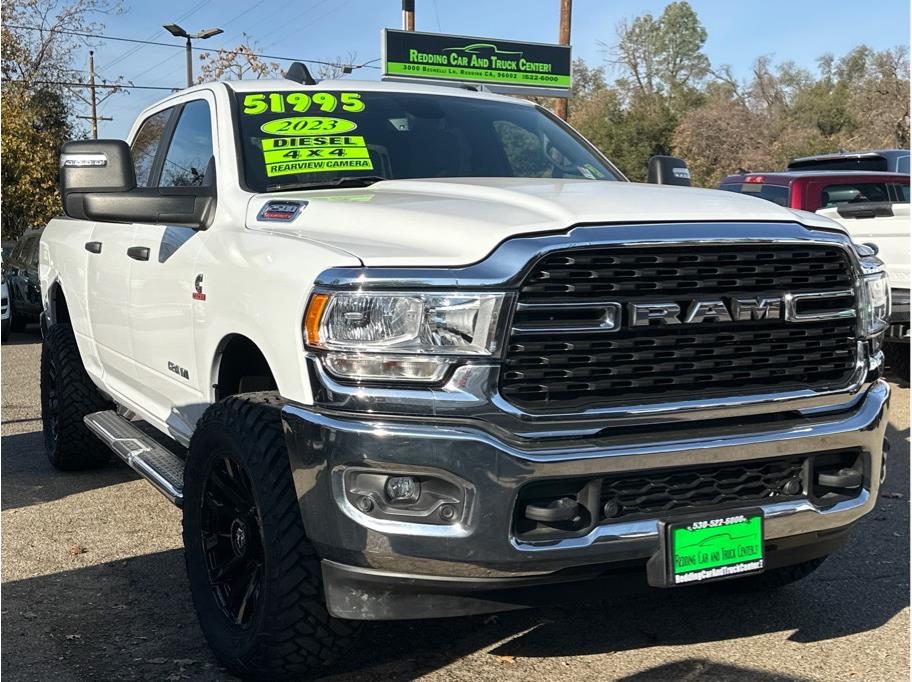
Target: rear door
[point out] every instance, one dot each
(162, 288)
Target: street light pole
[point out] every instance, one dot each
(178, 32)
(189, 62)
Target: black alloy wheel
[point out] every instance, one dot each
(232, 539)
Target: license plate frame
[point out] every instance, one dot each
(703, 548)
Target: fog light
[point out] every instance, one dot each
(403, 489)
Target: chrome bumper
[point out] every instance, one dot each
(480, 545)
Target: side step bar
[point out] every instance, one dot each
(149, 458)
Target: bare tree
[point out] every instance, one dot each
(338, 68)
(238, 63)
(33, 48)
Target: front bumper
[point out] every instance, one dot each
(378, 568)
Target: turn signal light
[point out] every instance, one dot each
(313, 316)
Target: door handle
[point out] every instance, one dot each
(138, 252)
(93, 247)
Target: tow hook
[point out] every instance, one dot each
(560, 509)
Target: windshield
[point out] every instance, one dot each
(778, 194)
(303, 138)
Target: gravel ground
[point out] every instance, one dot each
(94, 588)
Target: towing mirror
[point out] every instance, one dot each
(98, 182)
(667, 170)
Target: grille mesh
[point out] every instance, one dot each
(665, 491)
(565, 368)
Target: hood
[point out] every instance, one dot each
(458, 221)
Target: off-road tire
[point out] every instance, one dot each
(5, 330)
(68, 395)
(772, 579)
(897, 355)
(290, 633)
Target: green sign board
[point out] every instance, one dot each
(716, 548)
(501, 65)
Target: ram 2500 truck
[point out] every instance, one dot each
(422, 351)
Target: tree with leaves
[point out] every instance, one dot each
(661, 56)
(36, 112)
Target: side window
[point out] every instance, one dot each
(31, 254)
(902, 165)
(901, 193)
(191, 148)
(145, 145)
(18, 250)
(854, 193)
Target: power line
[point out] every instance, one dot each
(133, 50)
(77, 84)
(180, 47)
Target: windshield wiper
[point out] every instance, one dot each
(354, 181)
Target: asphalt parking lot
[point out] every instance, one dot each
(94, 588)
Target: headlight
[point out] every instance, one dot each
(397, 335)
(875, 304)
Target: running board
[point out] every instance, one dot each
(149, 458)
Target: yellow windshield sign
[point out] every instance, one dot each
(307, 125)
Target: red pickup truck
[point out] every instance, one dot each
(814, 190)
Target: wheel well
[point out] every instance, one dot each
(58, 305)
(242, 368)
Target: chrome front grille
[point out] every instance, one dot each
(572, 344)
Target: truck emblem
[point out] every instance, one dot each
(706, 310)
(178, 370)
(280, 211)
(198, 295)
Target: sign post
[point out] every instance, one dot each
(499, 65)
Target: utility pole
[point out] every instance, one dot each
(408, 15)
(566, 7)
(93, 99)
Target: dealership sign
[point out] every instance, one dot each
(500, 65)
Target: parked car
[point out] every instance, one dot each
(4, 311)
(429, 353)
(21, 273)
(893, 160)
(814, 190)
(872, 206)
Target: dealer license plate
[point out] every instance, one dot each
(724, 546)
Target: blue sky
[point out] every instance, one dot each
(798, 30)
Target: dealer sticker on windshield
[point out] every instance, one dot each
(714, 548)
(314, 143)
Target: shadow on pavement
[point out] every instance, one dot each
(30, 335)
(697, 668)
(29, 478)
(134, 619)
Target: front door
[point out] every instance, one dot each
(162, 287)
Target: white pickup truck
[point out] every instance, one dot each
(420, 351)
(886, 227)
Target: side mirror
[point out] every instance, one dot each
(93, 166)
(667, 170)
(98, 182)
